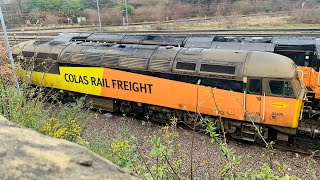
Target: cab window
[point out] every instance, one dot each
(280, 88)
(254, 86)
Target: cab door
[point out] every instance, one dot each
(281, 107)
(254, 99)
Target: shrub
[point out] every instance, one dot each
(69, 8)
(6, 73)
(123, 152)
(18, 106)
(129, 7)
(33, 107)
(157, 163)
(111, 16)
(51, 19)
(311, 16)
(69, 130)
(92, 16)
(183, 11)
(149, 13)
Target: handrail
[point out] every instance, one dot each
(244, 103)
(264, 106)
(318, 79)
(302, 74)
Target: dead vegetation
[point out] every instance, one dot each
(5, 71)
(150, 11)
(311, 16)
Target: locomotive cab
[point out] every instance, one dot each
(289, 88)
(274, 97)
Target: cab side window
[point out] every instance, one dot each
(254, 86)
(280, 88)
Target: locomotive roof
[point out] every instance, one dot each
(234, 64)
(265, 64)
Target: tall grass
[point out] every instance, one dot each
(38, 107)
(19, 107)
(35, 108)
(308, 16)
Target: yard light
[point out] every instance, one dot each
(98, 9)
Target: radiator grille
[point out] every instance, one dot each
(94, 59)
(66, 57)
(160, 65)
(139, 63)
(78, 57)
(110, 61)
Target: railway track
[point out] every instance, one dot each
(25, 36)
(261, 32)
(14, 40)
(302, 145)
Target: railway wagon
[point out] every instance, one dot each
(163, 82)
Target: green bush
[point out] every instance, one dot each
(32, 107)
(130, 8)
(18, 106)
(70, 8)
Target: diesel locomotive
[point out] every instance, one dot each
(304, 51)
(161, 82)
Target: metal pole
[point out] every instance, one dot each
(4, 29)
(127, 13)
(98, 9)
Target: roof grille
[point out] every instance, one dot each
(78, 57)
(66, 56)
(139, 63)
(110, 61)
(160, 65)
(93, 59)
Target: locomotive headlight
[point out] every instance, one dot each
(244, 80)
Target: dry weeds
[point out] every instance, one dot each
(253, 22)
(102, 127)
(311, 16)
(5, 71)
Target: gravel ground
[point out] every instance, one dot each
(107, 126)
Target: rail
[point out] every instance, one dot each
(314, 32)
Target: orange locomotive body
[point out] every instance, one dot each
(165, 82)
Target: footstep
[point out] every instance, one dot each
(108, 115)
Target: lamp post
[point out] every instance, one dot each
(127, 13)
(98, 9)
